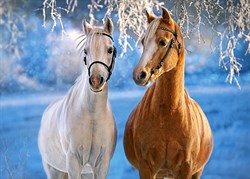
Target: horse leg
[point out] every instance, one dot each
(100, 173)
(145, 172)
(53, 173)
(101, 169)
(197, 175)
(87, 176)
(185, 171)
(101, 165)
(73, 166)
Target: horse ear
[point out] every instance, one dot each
(86, 26)
(166, 16)
(108, 26)
(150, 17)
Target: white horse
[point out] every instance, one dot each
(79, 129)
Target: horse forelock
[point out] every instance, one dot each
(90, 38)
(94, 33)
(151, 30)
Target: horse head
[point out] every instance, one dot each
(99, 54)
(162, 48)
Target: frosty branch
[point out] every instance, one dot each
(232, 16)
(13, 25)
(55, 14)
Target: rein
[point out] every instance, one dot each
(171, 45)
(110, 67)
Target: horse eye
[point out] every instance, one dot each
(162, 43)
(110, 50)
(85, 51)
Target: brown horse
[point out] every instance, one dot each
(167, 134)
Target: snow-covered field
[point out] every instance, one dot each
(227, 108)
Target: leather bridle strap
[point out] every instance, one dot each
(101, 33)
(110, 67)
(171, 45)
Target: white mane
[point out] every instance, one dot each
(89, 38)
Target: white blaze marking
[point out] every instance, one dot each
(148, 51)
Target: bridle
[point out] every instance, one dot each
(110, 67)
(171, 45)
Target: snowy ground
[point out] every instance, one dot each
(227, 108)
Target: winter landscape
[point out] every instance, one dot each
(226, 107)
(40, 67)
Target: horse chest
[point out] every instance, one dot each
(96, 135)
(159, 137)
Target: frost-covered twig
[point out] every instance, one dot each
(234, 65)
(10, 171)
(72, 4)
(235, 29)
(14, 28)
(13, 170)
(55, 14)
(94, 6)
(183, 18)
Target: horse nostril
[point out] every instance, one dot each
(96, 80)
(142, 75)
(101, 80)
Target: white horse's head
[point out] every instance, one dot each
(99, 54)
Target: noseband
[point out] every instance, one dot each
(110, 67)
(171, 45)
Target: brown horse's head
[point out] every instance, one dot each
(162, 47)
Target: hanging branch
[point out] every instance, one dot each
(14, 25)
(183, 18)
(235, 18)
(55, 14)
(234, 31)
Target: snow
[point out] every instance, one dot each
(227, 109)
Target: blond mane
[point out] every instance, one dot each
(153, 26)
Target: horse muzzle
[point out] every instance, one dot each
(141, 78)
(97, 83)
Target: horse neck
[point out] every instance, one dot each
(97, 101)
(169, 87)
(89, 99)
